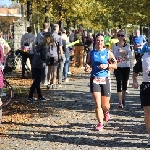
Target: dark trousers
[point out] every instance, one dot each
(137, 55)
(36, 83)
(122, 77)
(24, 60)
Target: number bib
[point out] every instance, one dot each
(99, 80)
(120, 59)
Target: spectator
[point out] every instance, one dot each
(27, 44)
(56, 55)
(4, 44)
(62, 62)
(39, 39)
(79, 49)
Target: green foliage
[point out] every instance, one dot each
(94, 14)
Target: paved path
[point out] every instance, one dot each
(66, 122)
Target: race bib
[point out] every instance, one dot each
(120, 59)
(99, 80)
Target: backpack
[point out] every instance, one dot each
(78, 36)
(28, 41)
(40, 36)
(38, 60)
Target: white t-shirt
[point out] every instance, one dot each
(146, 66)
(3, 43)
(117, 54)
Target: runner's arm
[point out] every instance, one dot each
(112, 65)
(136, 69)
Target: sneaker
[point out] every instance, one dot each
(120, 106)
(127, 92)
(82, 67)
(67, 80)
(148, 144)
(54, 86)
(48, 86)
(32, 100)
(42, 99)
(59, 85)
(99, 127)
(45, 83)
(123, 103)
(106, 116)
(69, 73)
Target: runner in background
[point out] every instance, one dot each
(122, 53)
(114, 39)
(143, 65)
(138, 42)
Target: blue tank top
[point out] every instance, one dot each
(97, 58)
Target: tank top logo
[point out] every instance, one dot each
(103, 57)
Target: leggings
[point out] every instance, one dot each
(122, 77)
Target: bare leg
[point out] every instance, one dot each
(54, 74)
(120, 97)
(147, 118)
(98, 108)
(105, 103)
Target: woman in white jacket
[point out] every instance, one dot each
(123, 55)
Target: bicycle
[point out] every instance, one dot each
(7, 91)
(11, 61)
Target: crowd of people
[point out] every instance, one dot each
(50, 53)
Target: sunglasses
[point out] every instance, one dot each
(120, 35)
(99, 34)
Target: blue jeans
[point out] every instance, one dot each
(60, 69)
(66, 67)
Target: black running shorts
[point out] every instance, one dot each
(53, 61)
(145, 94)
(104, 89)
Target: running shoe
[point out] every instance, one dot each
(124, 104)
(54, 86)
(106, 116)
(43, 99)
(32, 100)
(48, 86)
(99, 127)
(148, 141)
(127, 92)
(120, 106)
